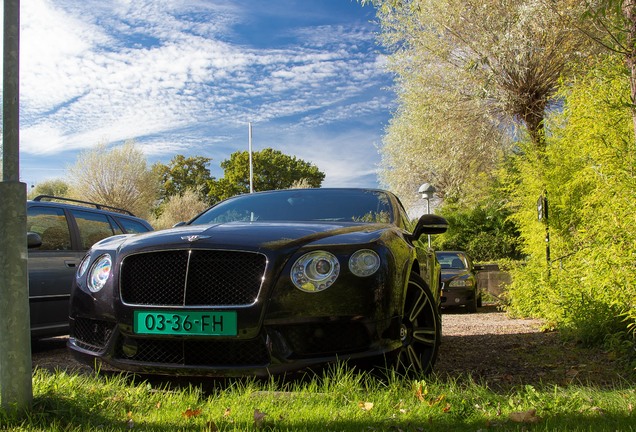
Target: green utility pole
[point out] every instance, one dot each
(16, 392)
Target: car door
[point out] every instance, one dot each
(51, 270)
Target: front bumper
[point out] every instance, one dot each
(459, 296)
(276, 349)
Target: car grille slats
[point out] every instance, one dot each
(192, 278)
(196, 353)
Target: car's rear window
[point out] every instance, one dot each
(131, 226)
(364, 206)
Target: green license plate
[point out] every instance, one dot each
(190, 323)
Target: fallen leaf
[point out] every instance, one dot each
(259, 418)
(446, 408)
(529, 416)
(419, 394)
(158, 405)
(211, 427)
(365, 406)
(439, 399)
(189, 413)
(227, 412)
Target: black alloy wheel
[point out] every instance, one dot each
(421, 329)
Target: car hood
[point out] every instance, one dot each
(448, 274)
(255, 236)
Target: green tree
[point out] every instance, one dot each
(56, 187)
(484, 231)
(117, 177)
(182, 174)
(615, 24)
(271, 170)
(472, 76)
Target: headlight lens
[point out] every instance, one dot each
(81, 270)
(461, 283)
(100, 272)
(364, 262)
(315, 271)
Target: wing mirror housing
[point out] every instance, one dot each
(429, 224)
(33, 240)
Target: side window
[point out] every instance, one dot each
(132, 226)
(93, 227)
(52, 226)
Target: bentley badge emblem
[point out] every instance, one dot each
(193, 238)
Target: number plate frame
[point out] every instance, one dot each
(185, 323)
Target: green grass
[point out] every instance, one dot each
(341, 399)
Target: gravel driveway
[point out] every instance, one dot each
(487, 345)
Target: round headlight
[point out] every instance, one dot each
(315, 271)
(100, 272)
(81, 270)
(364, 262)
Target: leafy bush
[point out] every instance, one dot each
(588, 171)
(484, 231)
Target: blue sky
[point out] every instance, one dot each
(186, 77)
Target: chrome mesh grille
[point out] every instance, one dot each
(192, 278)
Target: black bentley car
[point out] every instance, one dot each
(264, 283)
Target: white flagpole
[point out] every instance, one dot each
(251, 163)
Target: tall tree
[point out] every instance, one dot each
(470, 75)
(272, 170)
(182, 174)
(118, 177)
(615, 25)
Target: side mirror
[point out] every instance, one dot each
(33, 240)
(429, 224)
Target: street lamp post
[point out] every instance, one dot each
(428, 191)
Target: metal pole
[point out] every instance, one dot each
(428, 211)
(251, 162)
(16, 393)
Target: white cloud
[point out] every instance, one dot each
(173, 76)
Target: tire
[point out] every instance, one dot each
(421, 329)
(472, 306)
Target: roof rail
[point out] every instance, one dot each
(98, 206)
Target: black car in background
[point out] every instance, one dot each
(460, 285)
(60, 231)
(262, 284)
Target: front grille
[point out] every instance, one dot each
(180, 352)
(92, 335)
(192, 278)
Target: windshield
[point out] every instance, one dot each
(343, 205)
(451, 260)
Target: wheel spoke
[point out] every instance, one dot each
(419, 304)
(427, 336)
(414, 358)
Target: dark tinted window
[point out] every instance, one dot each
(342, 205)
(132, 226)
(52, 226)
(93, 227)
